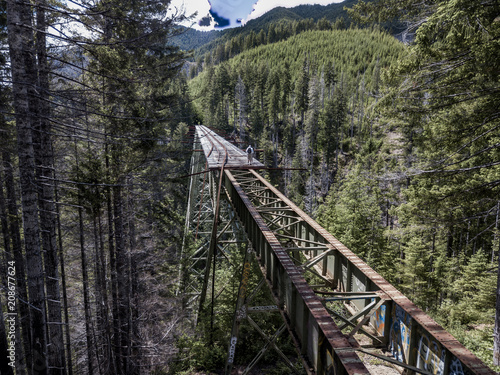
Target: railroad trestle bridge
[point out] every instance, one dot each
(337, 310)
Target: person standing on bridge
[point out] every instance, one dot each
(249, 154)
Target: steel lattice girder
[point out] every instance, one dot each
(315, 333)
(229, 233)
(428, 345)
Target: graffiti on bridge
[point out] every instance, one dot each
(430, 353)
(399, 336)
(380, 320)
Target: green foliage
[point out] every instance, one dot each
(352, 51)
(379, 11)
(197, 353)
(415, 270)
(281, 368)
(297, 188)
(189, 39)
(447, 110)
(473, 296)
(287, 67)
(352, 214)
(89, 174)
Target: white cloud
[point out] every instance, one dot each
(190, 7)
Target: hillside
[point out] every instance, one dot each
(354, 54)
(190, 39)
(193, 39)
(392, 148)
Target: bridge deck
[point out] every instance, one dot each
(220, 152)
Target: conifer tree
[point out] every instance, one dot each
(297, 188)
(302, 91)
(475, 288)
(286, 89)
(273, 107)
(241, 105)
(415, 269)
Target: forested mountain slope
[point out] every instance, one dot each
(191, 39)
(335, 59)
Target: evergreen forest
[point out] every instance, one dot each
(380, 119)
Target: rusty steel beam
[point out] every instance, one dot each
(420, 340)
(316, 334)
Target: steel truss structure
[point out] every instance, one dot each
(199, 279)
(327, 296)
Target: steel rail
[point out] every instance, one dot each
(211, 138)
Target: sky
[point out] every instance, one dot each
(233, 13)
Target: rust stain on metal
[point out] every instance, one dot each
(426, 322)
(336, 339)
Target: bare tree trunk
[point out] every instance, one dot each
(85, 282)
(43, 155)
(134, 286)
(3, 220)
(114, 284)
(100, 318)
(8, 364)
(496, 333)
(63, 283)
(86, 299)
(114, 290)
(19, 24)
(122, 276)
(496, 235)
(105, 326)
(24, 350)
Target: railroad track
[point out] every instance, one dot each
(220, 149)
